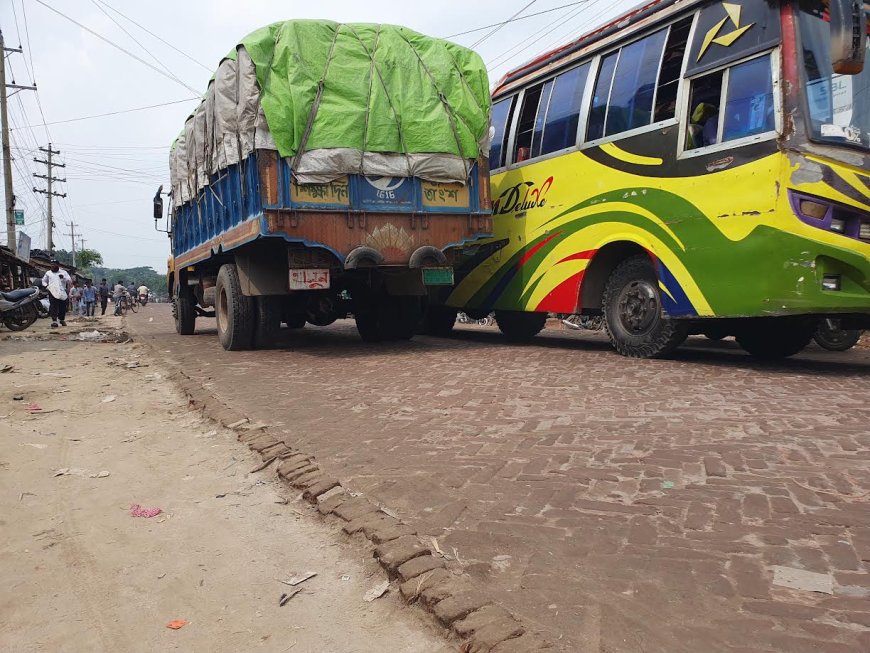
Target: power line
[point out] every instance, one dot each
(514, 20)
(33, 69)
(145, 29)
(496, 29)
(118, 47)
(150, 54)
(115, 113)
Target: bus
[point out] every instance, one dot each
(692, 167)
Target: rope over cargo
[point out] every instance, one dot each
(339, 99)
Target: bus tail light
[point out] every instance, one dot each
(831, 282)
(864, 231)
(838, 225)
(815, 210)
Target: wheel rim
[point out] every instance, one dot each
(222, 310)
(638, 307)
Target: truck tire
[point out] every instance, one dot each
(234, 311)
(518, 326)
(439, 321)
(368, 325)
(184, 312)
(776, 339)
(399, 316)
(633, 314)
(267, 321)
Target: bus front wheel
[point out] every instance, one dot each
(633, 313)
(518, 326)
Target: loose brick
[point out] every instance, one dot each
(458, 606)
(419, 565)
(355, 507)
(328, 505)
(324, 486)
(437, 592)
(480, 618)
(369, 519)
(525, 643)
(399, 551)
(412, 589)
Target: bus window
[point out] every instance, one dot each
(749, 106)
(544, 103)
(634, 84)
(563, 112)
(501, 113)
(599, 100)
(672, 67)
(747, 96)
(704, 111)
(526, 127)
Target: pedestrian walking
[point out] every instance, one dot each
(89, 299)
(57, 282)
(75, 298)
(103, 292)
(118, 296)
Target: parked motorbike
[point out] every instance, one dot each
(584, 322)
(18, 308)
(830, 336)
(43, 306)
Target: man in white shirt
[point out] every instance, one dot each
(57, 282)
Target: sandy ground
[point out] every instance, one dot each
(79, 573)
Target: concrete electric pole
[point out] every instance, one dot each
(49, 179)
(72, 234)
(11, 239)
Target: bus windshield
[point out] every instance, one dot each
(839, 105)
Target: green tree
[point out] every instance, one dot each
(88, 257)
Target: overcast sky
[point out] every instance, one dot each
(115, 163)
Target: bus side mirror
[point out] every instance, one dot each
(158, 204)
(848, 36)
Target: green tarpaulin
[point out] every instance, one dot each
(374, 88)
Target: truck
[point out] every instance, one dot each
(329, 171)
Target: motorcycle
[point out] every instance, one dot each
(830, 336)
(143, 299)
(584, 322)
(18, 308)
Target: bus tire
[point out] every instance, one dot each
(776, 339)
(267, 321)
(234, 311)
(518, 326)
(830, 336)
(633, 314)
(184, 312)
(439, 321)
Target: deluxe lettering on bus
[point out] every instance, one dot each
(694, 167)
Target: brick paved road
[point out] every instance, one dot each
(622, 505)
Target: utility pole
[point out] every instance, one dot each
(11, 239)
(72, 234)
(48, 192)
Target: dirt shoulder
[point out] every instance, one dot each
(99, 428)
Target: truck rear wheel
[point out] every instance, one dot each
(518, 326)
(387, 317)
(234, 311)
(633, 312)
(439, 321)
(184, 312)
(777, 338)
(267, 321)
